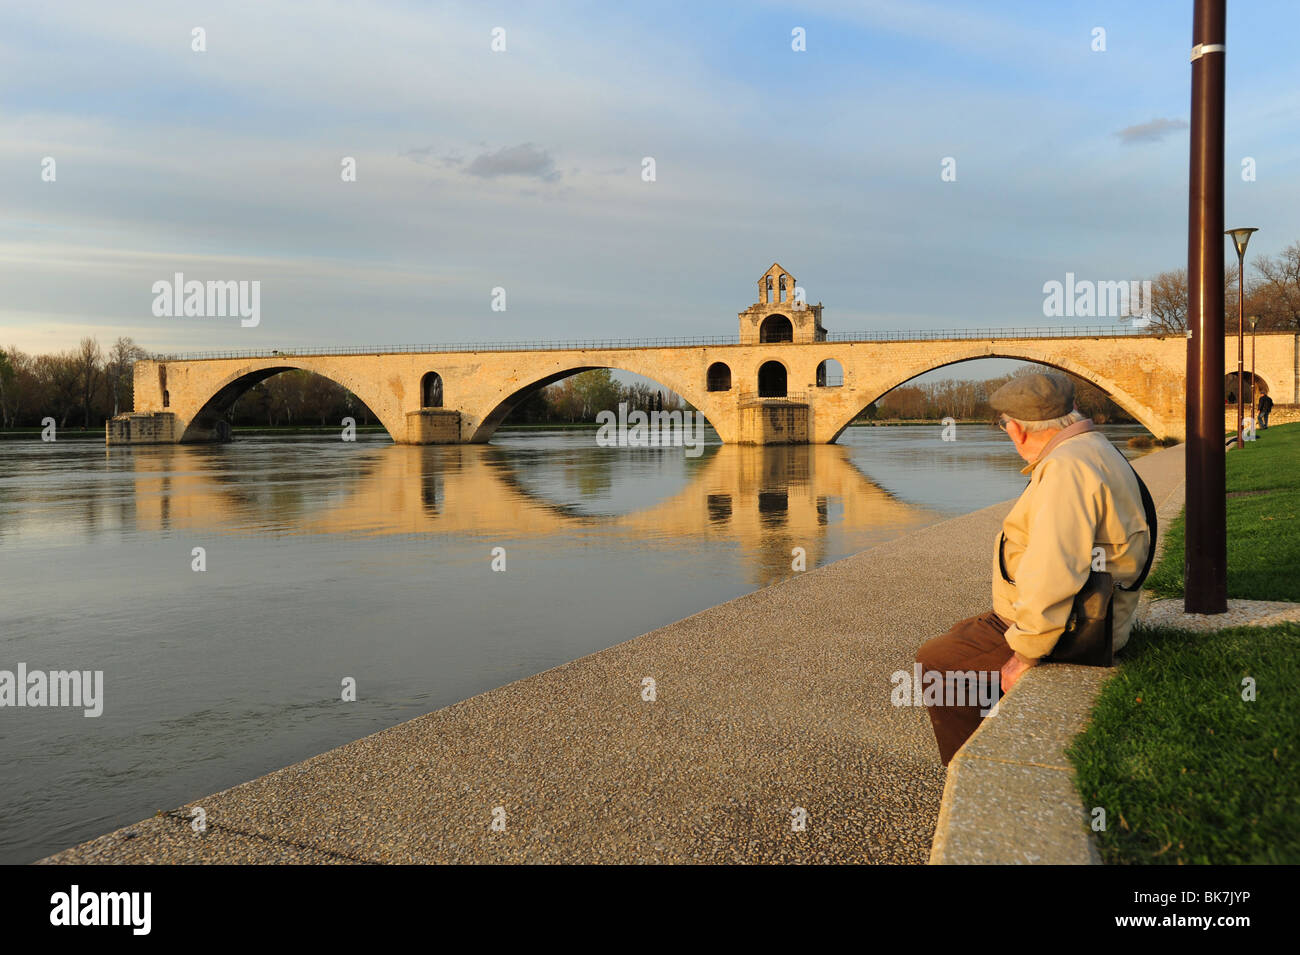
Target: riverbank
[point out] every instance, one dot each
(768, 710)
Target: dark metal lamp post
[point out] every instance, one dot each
(1240, 237)
(1254, 382)
(1205, 567)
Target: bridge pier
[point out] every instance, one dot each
(775, 421)
(142, 427)
(433, 426)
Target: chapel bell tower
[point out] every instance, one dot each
(778, 315)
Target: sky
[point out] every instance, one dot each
(522, 169)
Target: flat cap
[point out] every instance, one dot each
(1035, 397)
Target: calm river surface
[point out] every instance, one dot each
(369, 560)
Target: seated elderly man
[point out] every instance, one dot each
(1082, 511)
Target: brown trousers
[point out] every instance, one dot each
(977, 643)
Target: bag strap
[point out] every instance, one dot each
(1149, 506)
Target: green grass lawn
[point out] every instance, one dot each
(1188, 770)
(1263, 508)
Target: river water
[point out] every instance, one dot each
(328, 560)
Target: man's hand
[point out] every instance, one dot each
(1014, 669)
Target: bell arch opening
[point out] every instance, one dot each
(776, 328)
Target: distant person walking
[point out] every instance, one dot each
(1265, 406)
(1083, 511)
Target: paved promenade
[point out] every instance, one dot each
(779, 699)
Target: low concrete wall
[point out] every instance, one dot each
(1281, 414)
(1010, 796)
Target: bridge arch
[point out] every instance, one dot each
(1253, 386)
(204, 417)
(488, 416)
(1141, 412)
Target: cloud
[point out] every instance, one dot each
(522, 160)
(1151, 132)
(426, 156)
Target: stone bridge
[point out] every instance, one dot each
(783, 381)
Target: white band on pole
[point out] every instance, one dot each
(1202, 48)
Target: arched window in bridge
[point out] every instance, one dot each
(830, 374)
(1253, 387)
(719, 378)
(771, 380)
(776, 328)
(431, 390)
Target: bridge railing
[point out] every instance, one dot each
(905, 335)
(950, 334)
(788, 396)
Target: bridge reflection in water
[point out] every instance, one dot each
(765, 500)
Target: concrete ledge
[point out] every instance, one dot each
(1010, 796)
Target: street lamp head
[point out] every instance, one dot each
(1239, 238)
(1253, 320)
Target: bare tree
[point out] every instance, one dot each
(21, 391)
(1169, 301)
(58, 381)
(1276, 298)
(89, 361)
(8, 380)
(120, 372)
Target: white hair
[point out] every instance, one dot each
(1050, 424)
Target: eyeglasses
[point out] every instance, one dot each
(1001, 422)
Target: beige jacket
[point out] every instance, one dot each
(1081, 495)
